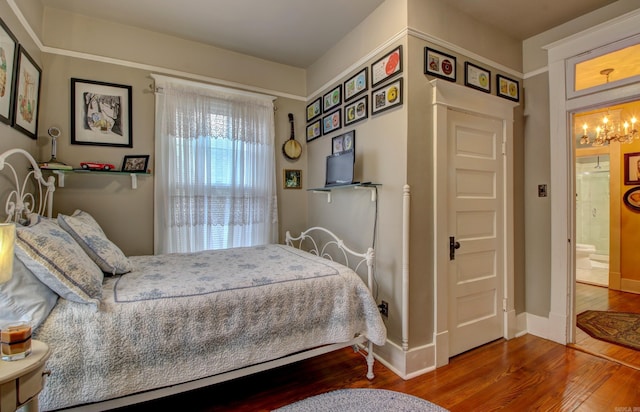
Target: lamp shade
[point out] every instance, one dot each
(7, 242)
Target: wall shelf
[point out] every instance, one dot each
(372, 187)
(62, 173)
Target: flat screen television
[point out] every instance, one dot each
(340, 168)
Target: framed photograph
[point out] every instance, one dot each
(632, 168)
(27, 94)
(388, 66)
(631, 198)
(439, 64)
(292, 179)
(356, 85)
(356, 111)
(332, 122)
(332, 99)
(386, 97)
(508, 88)
(477, 77)
(343, 142)
(9, 55)
(314, 109)
(314, 130)
(100, 113)
(135, 164)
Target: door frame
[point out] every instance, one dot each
(447, 95)
(561, 322)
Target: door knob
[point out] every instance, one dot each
(453, 245)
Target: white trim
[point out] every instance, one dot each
(460, 50)
(166, 79)
(212, 80)
(536, 72)
(561, 316)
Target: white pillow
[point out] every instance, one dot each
(25, 298)
(90, 236)
(59, 262)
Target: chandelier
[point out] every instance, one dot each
(610, 130)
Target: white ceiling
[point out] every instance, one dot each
(298, 32)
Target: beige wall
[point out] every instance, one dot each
(395, 148)
(80, 47)
(538, 144)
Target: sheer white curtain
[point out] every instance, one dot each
(215, 177)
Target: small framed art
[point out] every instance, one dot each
(508, 88)
(386, 67)
(135, 164)
(9, 47)
(314, 130)
(386, 97)
(632, 168)
(292, 179)
(332, 99)
(477, 77)
(314, 109)
(346, 141)
(356, 85)
(631, 198)
(27, 94)
(332, 122)
(100, 113)
(439, 64)
(356, 111)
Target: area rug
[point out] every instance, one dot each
(620, 328)
(362, 400)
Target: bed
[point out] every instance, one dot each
(143, 327)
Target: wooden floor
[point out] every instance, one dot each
(523, 374)
(601, 298)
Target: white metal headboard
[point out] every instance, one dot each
(21, 202)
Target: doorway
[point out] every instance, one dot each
(592, 177)
(484, 139)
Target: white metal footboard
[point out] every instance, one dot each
(322, 242)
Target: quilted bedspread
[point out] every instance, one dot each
(181, 317)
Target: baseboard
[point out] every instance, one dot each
(406, 364)
(630, 285)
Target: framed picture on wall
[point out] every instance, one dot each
(356, 85)
(632, 168)
(100, 113)
(388, 66)
(332, 122)
(314, 130)
(27, 94)
(314, 109)
(477, 77)
(356, 111)
(9, 48)
(386, 97)
(332, 99)
(439, 64)
(508, 88)
(292, 179)
(631, 198)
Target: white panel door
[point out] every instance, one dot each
(476, 207)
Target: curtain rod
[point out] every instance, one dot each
(208, 86)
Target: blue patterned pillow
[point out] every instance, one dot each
(89, 235)
(59, 262)
(25, 298)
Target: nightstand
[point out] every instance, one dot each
(22, 380)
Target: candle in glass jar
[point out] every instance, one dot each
(15, 341)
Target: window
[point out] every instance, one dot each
(215, 179)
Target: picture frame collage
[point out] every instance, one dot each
(442, 65)
(348, 103)
(20, 78)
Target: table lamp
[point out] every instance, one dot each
(7, 242)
